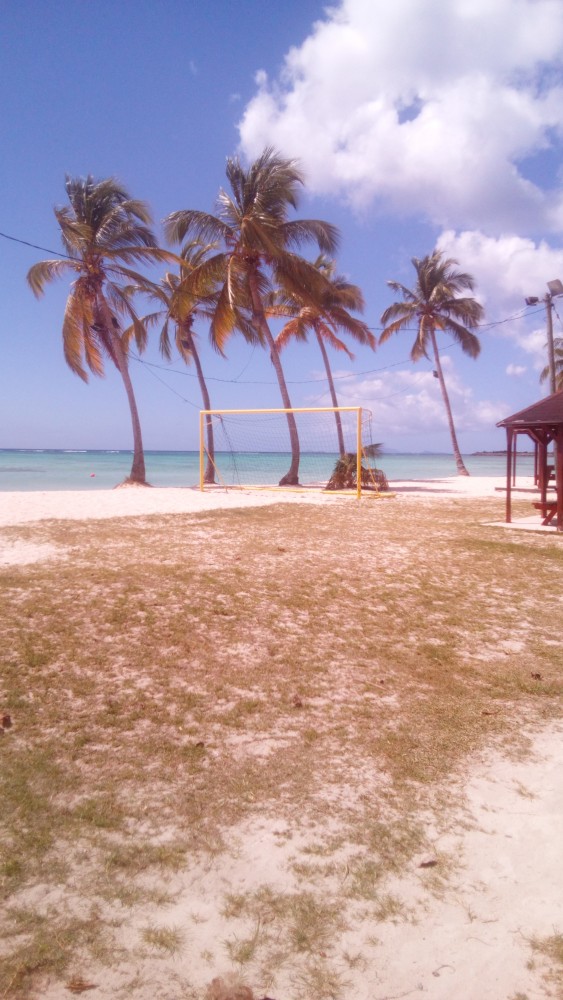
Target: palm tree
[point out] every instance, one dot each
(558, 358)
(103, 229)
(434, 304)
(329, 314)
(258, 243)
(180, 307)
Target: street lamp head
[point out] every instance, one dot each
(555, 287)
(532, 300)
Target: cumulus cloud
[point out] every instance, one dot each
(515, 370)
(507, 270)
(505, 267)
(430, 109)
(408, 402)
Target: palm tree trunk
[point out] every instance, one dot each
(339, 431)
(461, 470)
(209, 474)
(291, 477)
(138, 472)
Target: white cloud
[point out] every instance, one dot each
(429, 109)
(515, 370)
(507, 270)
(534, 343)
(409, 402)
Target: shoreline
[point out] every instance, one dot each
(29, 506)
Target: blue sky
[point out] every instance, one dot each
(417, 125)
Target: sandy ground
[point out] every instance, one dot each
(474, 944)
(21, 508)
(473, 941)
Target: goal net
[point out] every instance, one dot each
(328, 448)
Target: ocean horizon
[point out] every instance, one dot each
(33, 469)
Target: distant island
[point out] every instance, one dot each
(475, 454)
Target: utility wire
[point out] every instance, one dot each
(237, 380)
(483, 326)
(169, 387)
(35, 247)
(307, 381)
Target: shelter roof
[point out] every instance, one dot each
(547, 412)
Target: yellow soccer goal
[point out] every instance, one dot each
(324, 448)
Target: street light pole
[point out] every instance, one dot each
(555, 289)
(550, 346)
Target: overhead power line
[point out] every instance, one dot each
(238, 380)
(57, 253)
(482, 326)
(306, 381)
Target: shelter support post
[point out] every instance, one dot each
(558, 456)
(509, 461)
(544, 475)
(201, 451)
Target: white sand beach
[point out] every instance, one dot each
(132, 501)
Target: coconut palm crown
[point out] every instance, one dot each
(103, 231)
(328, 314)
(436, 303)
(179, 308)
(259, 244)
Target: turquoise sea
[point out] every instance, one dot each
(28, 469)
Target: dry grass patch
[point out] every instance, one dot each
(175, 679)
(547, 953)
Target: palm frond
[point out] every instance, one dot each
(47, 270)
(419, 349)
(137, 328)
(76, 234)
(271, 184)
(300, 279)
(294, 330)
(298, 232)
(357, 329)
(468, 342)
(224, 320)
(92, 353)
(164, 342)
(467, 310)
(259, 237)
(407, 294)
(144, 255)
(196, 225)
(373, 450)
(405, 312)
(345, 294)
(323, 329)
(77, 317)
(202, 280)
(275, 310)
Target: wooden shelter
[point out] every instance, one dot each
(543, 423)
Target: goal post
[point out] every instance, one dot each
(250, 448)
